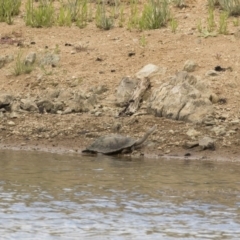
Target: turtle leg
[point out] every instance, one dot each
(126, 150)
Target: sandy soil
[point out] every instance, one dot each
(163, 48)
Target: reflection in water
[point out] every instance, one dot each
(48, 196)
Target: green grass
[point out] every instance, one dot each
(103, 21)
(41, 15)
(20, 67)
(8, 9)
(155, 15)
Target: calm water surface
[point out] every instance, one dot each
(49, 196)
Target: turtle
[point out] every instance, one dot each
(115, 143)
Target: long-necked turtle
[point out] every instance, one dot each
(112, 144)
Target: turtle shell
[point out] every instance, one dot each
(110, 144)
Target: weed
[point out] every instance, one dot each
(41, 16)
(155, 14)
(143, 41)
(64, 17)
(210, 20)
(223, 23)
(102, 20)
(236, 22)
(179, 3)
(121, 17)
(231, 6)
(20, 66)
(174, 25)
(82, 16)
(199, 26)
(8, 9)
(134, 18)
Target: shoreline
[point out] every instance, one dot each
(143, 154)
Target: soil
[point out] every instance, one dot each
(104, 58)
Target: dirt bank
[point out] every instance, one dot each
(104, 58)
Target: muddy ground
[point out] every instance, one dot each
(121, 53)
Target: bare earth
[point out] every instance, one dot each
(163, 48)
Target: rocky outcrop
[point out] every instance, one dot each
(183, 97)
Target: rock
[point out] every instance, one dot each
(125, 90)
(189, 66)
(211, 73)
(214, 98)
(219, 130)
(150, 71)
(28, 105)
(5, 100)
(49, 59)
(100, 89)
(11, 123)
(206, 143)
(183, 97)
(6, 59)
(30, 58)
(192, 133)
(46, 105)
(190, 144)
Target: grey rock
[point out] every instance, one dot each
(99, 89)
(183, 97)
(219, 130)
(5, 99)
(28, 105)
(49, 59)
(150, 71)
(46, 105)
(211, 73)
(189, 66)
(192, 133)
(206, 143)
(125, 90)
(30, 58)
(190, 144)
(9, 58)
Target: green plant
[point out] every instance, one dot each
(20, 67)
(174, 25)
(213, 3)
(143, 41)
(121, 17)
(82, 16)
(8, 9)
(210, 20)
(64, 17)
(179, 3)
(155, 14)
(199, 26)
(223, 23)
(236, 22)
(40, 16)
(134, 18)
(230, 6)
(102, 20)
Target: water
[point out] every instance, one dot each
(50, 196)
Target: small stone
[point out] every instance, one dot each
(193, 133)
(30, 59)
(189, 66)
(206, 143)
(190, 144)
(211, 73)
(11, 123)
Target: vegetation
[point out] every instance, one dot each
(20, 67)
(232, 7)
(40, 16)
(8, 9)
